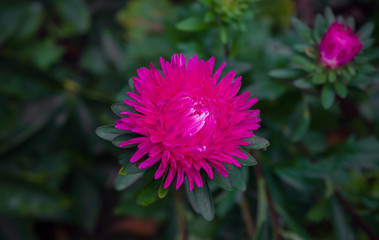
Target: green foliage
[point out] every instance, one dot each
(64, 62)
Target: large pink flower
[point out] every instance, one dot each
(188, 120)
(338, 46)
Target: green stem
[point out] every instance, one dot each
(182, 225)
(245, 211)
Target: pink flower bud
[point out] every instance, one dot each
(338, 45)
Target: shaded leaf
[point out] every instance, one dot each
(117, 141)
(327, 96)
(286, 73)
(125, 181)
(222, 181)
(235, 176)
(341, 89)
(250, 161)
(109, 132)
(149, 193)
(204, 201)
(257, 142)
(118, 108)
(302, 29)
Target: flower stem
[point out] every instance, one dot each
(245, 211)
(182, 228)
(274, 216)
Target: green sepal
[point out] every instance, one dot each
(302, 29)
(223, 182)
(327, 96)
(319, 78)
(235, 176)
(286, 73)
(109, 132)
(329, 15)
(250, 161)
(118, 108)
(162, 192)
(341, 89)
(257, 142)
(129, 167)
(332, 77)
(149, 194)
(302, 84)
(122, 138)
(125, 181)
(201, 200)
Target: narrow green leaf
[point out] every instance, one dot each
(261, 208)
(351, 70)
(222, 181)
(125, 181)
(257, 142)
(131, 85)
(341, 89)
(286, 73)
(303, 124)
(149, 194)
(327, 96)
(302, 29)
(109, 132)
(319, 78)
(122, 138)
(366, 30)
(329, 15)
(192, 24)
(118, 108)
(341, 226)
(204, 201)
(235, 176)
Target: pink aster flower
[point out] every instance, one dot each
(339, 45)
(188, 120)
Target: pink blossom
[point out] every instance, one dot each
(339, 45)
(188, 120)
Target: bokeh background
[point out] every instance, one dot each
(64, 62)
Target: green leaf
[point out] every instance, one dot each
(366, 30)
(222, 181)
(327, 96)
(302, 84)
(125, 181)
(75, 13)
(341, 89)
(302, 125)
(118, 108)
(128, 167)
(286, 73)
(250, 161)
(32, 20)
(149, 194)
(332, 76)
(162, 192)
(44, 53)
(302, 29)
(305, 63)
(320, 27)
(109, 132)
(191, 198)
(192, 24)
(319, 78)
(117, 141)
(235, 176)
(319, 211)
(341, 226)
(329, 15)
(257, 142)
(204, 200)
(350, 22)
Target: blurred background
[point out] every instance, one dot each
(64, 62)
